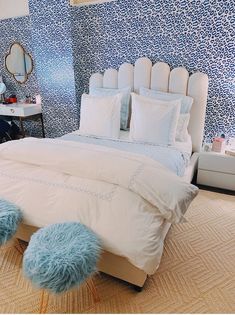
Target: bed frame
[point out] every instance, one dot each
(157, 77)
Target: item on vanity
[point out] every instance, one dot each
(219, 145)
(28, 99)
(12, 99)
(38, 99)
(33, 100)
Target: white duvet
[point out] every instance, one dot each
(124, 197)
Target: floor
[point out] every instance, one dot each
(197, 272)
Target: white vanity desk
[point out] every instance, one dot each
(21, 112)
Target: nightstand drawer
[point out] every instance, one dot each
(216, 179)
(217, 163)
(21, 110)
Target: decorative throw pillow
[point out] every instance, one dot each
(125, 101)
(154, 121)
(182, 127)
(186, 101)
(100, 115)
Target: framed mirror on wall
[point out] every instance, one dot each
(87, 2)
(19, 63)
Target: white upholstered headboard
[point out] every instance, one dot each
(160, 77)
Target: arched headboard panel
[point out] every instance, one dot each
(179, 81)
(159, 77)
(142, 74)
(126, 76)
(110, 79)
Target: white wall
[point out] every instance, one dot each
(13, 8)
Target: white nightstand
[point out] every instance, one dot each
(216, 170)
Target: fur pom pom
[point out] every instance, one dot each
(10, 218)
(61, 256)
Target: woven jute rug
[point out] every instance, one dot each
(197, 272)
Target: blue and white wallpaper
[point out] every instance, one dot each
(196, 34)
(51, 39)
(71, 43)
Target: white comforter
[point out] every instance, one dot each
(123, 197)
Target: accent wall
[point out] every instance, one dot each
(198, 35)
(51, 39)
(70, 43)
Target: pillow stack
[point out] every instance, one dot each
(125, 101)
(100, 116)
(154, 121)
(157, 117)
(186, 105)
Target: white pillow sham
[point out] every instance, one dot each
(182, 128)
(154, 121)
(186, 101)
(100, 115)
(125, 101)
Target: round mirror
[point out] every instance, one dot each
(19, 63)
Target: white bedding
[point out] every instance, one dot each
(125, 136)
(124, 197)
(176, 158)
(185, 147)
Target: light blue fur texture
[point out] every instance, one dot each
(10, 218)
(61, 256)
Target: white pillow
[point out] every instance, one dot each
(186, 101)
(154, 121)
(100, 115)
(125, 107)
(182, 128)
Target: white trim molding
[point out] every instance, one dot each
(80, 3)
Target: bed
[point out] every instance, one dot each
(120, 208)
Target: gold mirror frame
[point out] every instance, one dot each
(27, 64)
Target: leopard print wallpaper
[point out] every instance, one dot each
(198, 35)
(51, 39)
(70, 43)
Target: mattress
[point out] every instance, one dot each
(176, 158)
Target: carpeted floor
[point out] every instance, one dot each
(197, 272)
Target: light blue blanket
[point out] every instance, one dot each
(170, 157)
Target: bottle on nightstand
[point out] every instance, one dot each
(219, 145)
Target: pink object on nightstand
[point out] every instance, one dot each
(218, 145)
